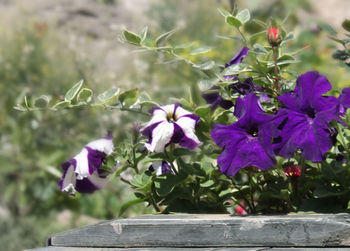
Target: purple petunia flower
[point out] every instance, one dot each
(245, 142)
(171, 124)
(212, 96)
(304, 120)
(82, 173)
(344, 100)
(161, 167)
(238, 58)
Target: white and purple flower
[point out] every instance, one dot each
(161, 167)
(171, 124)
(82, 173)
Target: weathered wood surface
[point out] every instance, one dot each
(212, 231)
(186, 249)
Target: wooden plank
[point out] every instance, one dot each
(317, 230)
(149, 249)
(186, 249)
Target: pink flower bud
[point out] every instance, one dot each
(274, 36)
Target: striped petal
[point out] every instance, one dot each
(187, 125)
(161, 136)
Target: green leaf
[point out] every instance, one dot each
(182, 152)
(202, 111)
(142, 182)
(327, 28)
(145, 100)
(259, 49)
(85, 95)
(109, 95)
(208, 183)
(164, 184)
(201, 49)
(20, 107)
(130, 203)
(72, 92)
(286, 59)
(143, 34)
(235, 69)
(231, 20)
(205, 84)
(129, 97)
(206, 65)
(224, 13)
(231, 38)
(346, 24)
(196, 95)
(261, 23)
(42, 101)
(165, 37)
(289, 36)
(61, 105)
(131, 37)
(323, 192)
(243, 16)
(184, 46)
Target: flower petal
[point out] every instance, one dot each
(68, 181)
(158, 115)
(187, 125)
(300, 131)
(103, 145)
(344, 99)
(238, 58)
(161, 136)
(161, 167)
(91, 183)
(82, 168)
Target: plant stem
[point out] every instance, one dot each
(154, 204)
(134, 111)
(170, 161)
(244, 198)
(242, 35)
(275, 55)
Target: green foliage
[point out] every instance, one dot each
(185, 62)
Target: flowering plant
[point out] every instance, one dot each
(252, 137)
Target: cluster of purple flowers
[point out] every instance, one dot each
(302, 123)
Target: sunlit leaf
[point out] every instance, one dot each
(201, 49)
(231, 20)
(243, 16)
(72, 92)
(131, 37)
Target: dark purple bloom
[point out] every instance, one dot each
(161, 167)
(171, 124)
(245, 142)
(304, 120)
(344, 100)
(245, 87)
(238, 58)
(212, 96)
(82, 173)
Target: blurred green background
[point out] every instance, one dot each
(47, 46)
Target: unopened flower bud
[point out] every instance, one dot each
(274, 36)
